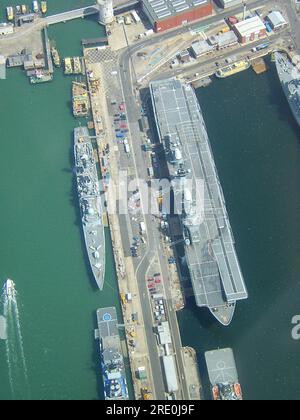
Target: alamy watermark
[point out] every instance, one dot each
(184, 197)
(296, 328)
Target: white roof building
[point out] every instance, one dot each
(250, 29)
(230, 3)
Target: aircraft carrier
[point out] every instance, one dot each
(90, 203)
(223, 375)
(289, 76)
(209, 244)
(112, 361)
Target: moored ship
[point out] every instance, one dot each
(55, 56)
(40, 76)
(289, 76)
(77, 66)
(80, 99)
(9, 289)
(90, 203)
(44, 7)
(68, 65)
(112, 360)
(223, 375)
(10, 13)
(35, 6)
(232, 69)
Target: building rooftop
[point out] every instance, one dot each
(227, 38)
(277, 19)
(163, 9)
(248, 26)
(201, 47)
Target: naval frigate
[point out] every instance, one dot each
(112, 360)
(209, 243)
(289, 76)
(90, 203)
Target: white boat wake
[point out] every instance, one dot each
(15, 356)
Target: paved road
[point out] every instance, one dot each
(211, 63)
(142, 265)
(294, 21)
(154, 242)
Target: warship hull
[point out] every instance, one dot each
(112, 360)
(90, 203)
(210, 252)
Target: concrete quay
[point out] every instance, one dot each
(135, 329)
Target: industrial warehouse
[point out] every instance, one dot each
(168, 14)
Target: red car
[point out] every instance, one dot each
(122, 107)
(157, 280)
(151, 285)
(150, 279)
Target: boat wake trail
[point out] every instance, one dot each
(15, 356)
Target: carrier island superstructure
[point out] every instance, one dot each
(289, 76)
(223, 375)
(90, 203)
(112, 360)
(209, 244)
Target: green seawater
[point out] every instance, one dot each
(256, 146)
(41, 244)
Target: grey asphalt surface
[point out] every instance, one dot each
(133, 114)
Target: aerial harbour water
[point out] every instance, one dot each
(256, 147)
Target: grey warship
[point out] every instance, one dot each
(112, 361)
(90, 203)
(209, 244)
(289, 76)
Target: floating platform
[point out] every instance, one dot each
(202, 83)
(259, 66)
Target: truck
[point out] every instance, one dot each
(260, 47)
(142, 228)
